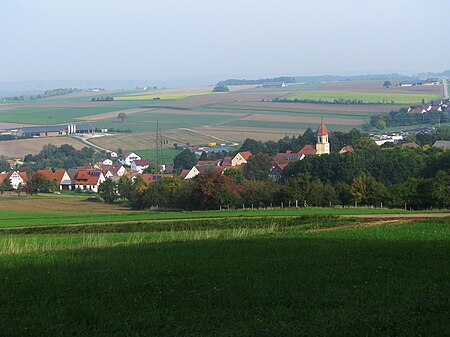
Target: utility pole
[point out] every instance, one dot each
(159, 153)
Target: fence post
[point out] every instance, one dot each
(281, 205)
(296, 203)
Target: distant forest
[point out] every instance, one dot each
(333, 78)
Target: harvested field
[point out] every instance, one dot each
(113, 114)
(54, 203)
(146, 140)
(303, 119)
(11, 125)
(21, 147)
(239, 134)
(363, 109)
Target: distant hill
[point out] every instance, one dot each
(336, 78)
(284, 79)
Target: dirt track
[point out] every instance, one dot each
(375, 220)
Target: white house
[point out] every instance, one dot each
(189, 174)
(89, 180)
(105, 161)
(113, 154)
(140, 165)
(16, 178)
(129, 157)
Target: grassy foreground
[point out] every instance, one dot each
(232, 278)
(14, 218)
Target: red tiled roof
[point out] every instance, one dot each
(184, 173)
(87, 177)
(410, 144)
(7, 175)
(287, 157)
(308, 149)
(246, 154)
(322, 130)
(346, 149)
(56, 175)
(142, 162)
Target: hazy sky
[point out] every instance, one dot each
(163, 39)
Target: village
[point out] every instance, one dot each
(89, 177)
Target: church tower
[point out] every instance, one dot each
(322, 146)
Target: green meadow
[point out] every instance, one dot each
(18, 218)
(168, 154)
(285, 276)
(55, 115)
(365, 97)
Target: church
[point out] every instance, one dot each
(322, 146)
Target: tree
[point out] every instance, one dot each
(20, 188)
(184, 160)
(212, 190)
(235, 174)
(5, 186)
(386, 84)
(364, 144)
(381, 124)
(42, 184)
(221, 88)
(254, 146)
(122, 116)
(367, 191)
(441, 189)
(258, 167)
(125, 187)
(108, 191)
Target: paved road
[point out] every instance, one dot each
(445, 84)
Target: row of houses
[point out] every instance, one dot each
(86, 178)
(413, 83)
(440, 106)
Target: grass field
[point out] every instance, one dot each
(365, 97)
(56, 115)
(312, 274)
(168, 154)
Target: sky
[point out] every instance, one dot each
(215, 40)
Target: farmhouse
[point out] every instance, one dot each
(128, 157)
(89, 180)
(239, 159)
(61, 177)
(115, 170)
(140, 165)
(431, 81)
(54, 130)
(15, 178)
(273, 85)
(105, 161)
(442, 143)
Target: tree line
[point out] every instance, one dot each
(403, 117)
